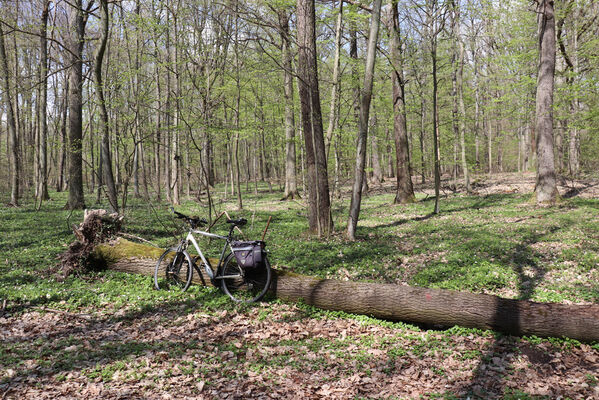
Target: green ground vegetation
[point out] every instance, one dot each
(500, 244)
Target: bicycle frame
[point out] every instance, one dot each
(209, 270)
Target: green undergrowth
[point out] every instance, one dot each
(499, 244)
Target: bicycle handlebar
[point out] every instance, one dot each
(193, 221)
(237, 222)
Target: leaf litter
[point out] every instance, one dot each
(275, 351)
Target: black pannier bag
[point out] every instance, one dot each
(249, 254)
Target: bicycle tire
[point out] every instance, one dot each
(245, 285)
(173, 272)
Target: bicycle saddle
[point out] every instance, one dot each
(238, 221)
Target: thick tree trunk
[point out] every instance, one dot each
(394, 302)
(546, 189)
(319, 206)
(76, 199)
(405, 190)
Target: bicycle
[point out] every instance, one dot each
(241, 283)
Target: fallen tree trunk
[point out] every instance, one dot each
(394, 302)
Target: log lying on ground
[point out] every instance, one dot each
(394, 302)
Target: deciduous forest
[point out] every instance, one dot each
(435, 154)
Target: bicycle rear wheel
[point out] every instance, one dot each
(174, 270)
(245, 285)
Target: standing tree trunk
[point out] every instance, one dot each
(356, 199)
(462, 117)
(42, 188)
(176, 156)
(76, 199)
(405, 190)
(476, 108)
(12, 127)
(290, 157)
(546, 190)
(319, 208)
(459, 112)
(107, 175)
(377, 171)
(63, 138)
(333, 115)
(436, 156)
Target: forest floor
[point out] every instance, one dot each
(110, 335)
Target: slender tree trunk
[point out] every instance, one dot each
(390, 166)
(60, 185)
(366, 96)
(107, 175)
(11, 123)
(405, 190)
(176, 160)
(237, 111)
(421, 137)
(76, 199)
(462, 117)
(291, 191)
(377, 172)
(458, 89)
(333, 115)
(476, 108)
(437, 161)
(574, 141)
(546, 189)
(319, 209)
(43, 101)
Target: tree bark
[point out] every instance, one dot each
(290, 157)
(546, 189)
(404, 193)
(366, 96)
(107, 175)
(76, 198)
(333, 115)
(319, 208)
(377, 170)
(436, 155)
(11, 122)
(42, 189)
(394, 302)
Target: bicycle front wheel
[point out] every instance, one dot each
(174, 270)
(245, 285)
